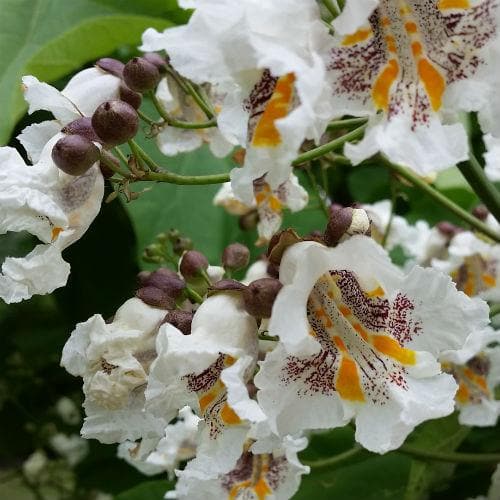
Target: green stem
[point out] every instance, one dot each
(199, 100)
(494, 310)
(347, 123)
(326, 463)
(441, 199)
(452, 457)
(332, 8)
(485, 190)
(263, 336)
(113, 167)
(194, 296)
(329, 146)
(146, 118)
(119, 153)
(134, 147)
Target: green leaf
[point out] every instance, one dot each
(150, 490)
(50, 38)
(444, 435)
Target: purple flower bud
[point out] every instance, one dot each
(155, 297)
(192, 264)
(155, 58)
(75, 154)
(260, 295)
(110, 65)
(182, 320)
(81, 126)
(235, 256)
(115, 122)
(448, 229)
(480, 212)
(130, 97)
(105, 170)
(141, 75)
(167, 280)
(339, 222)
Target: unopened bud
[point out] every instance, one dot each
(260, 295)
(110, 65)
(81, 126)
(142, 277)
(345, 222)
(448, 229)
(115, 122)
(105, 170)
(235, 256)
(155, 297)
(167, 280)
(181, 244)
(182, 320)
(141, 75)
(155, 58)
(75, 154)
(193, 263)
(480, 212)
(129, 96)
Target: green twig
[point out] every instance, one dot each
(440, 198)
(332, 7)
(329, 462)
(193, 295)
(112, 166)
(347, 123)
(494, 310)
(452, 457)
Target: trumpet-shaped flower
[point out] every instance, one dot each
(416, 64)
(272, 79)
(360, 339)
(208, 371)
(477, 372)
(256, 475)
(114, 359)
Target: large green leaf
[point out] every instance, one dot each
(50, 38)
(150, 490)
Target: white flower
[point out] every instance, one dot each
(492, 157)
(474, 266)
(113, 360)
(275, 475)
(477, 371)
(360, 339)
(271, 78)
(55, 207)
(73, 448)
(68, 411)
(153, 456)
(208, 370)
(418, 63)
(34, 465)
(269, 204)
(171, 140)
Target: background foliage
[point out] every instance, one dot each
(52, 39)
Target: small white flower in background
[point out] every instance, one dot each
(272, 80)
(418, 64)
(34, 465)
(208, 371)
(360, 339)
(275, 474)
(269, 204)
(153, 456)
(55, 207)
(68, 411)
(474, 266)
(72, 448)
(171, 140)
(477, 372)
(113, 360)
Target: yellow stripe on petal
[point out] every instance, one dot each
(229, 416)
(360, 36)
(433, 81)
(453, 4)
(383, 84)
(347, 383)
(205, 400)
(56, 231)
(266, 133)
(390, 347)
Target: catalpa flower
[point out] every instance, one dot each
(360, 339)
(55, 207)
(415, 64)
(172, 140)
(474, 266)
(272, 79)
(477, 371)
(208, 371)
(276, 475)
(269, 204)
(114, 360)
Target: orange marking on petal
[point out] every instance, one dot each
(391, 43)
(262, 489)
(433, 81)
(320, 312)
(266, 134)
(377, 292)
(204, 401)
(411, 27)
(359, 36)
(453, 4)
(340, 343)
(260, 198)
(347, 383)
(56, 231)
(361, 331)
(481, 382)
(469, 288)
(383, 84)
(328, 322)
(416, 49)
(275, 204)
(390, 347)
(385, 21)
(229, 416)
(488, 280)
(344, 310)
(463, 394)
